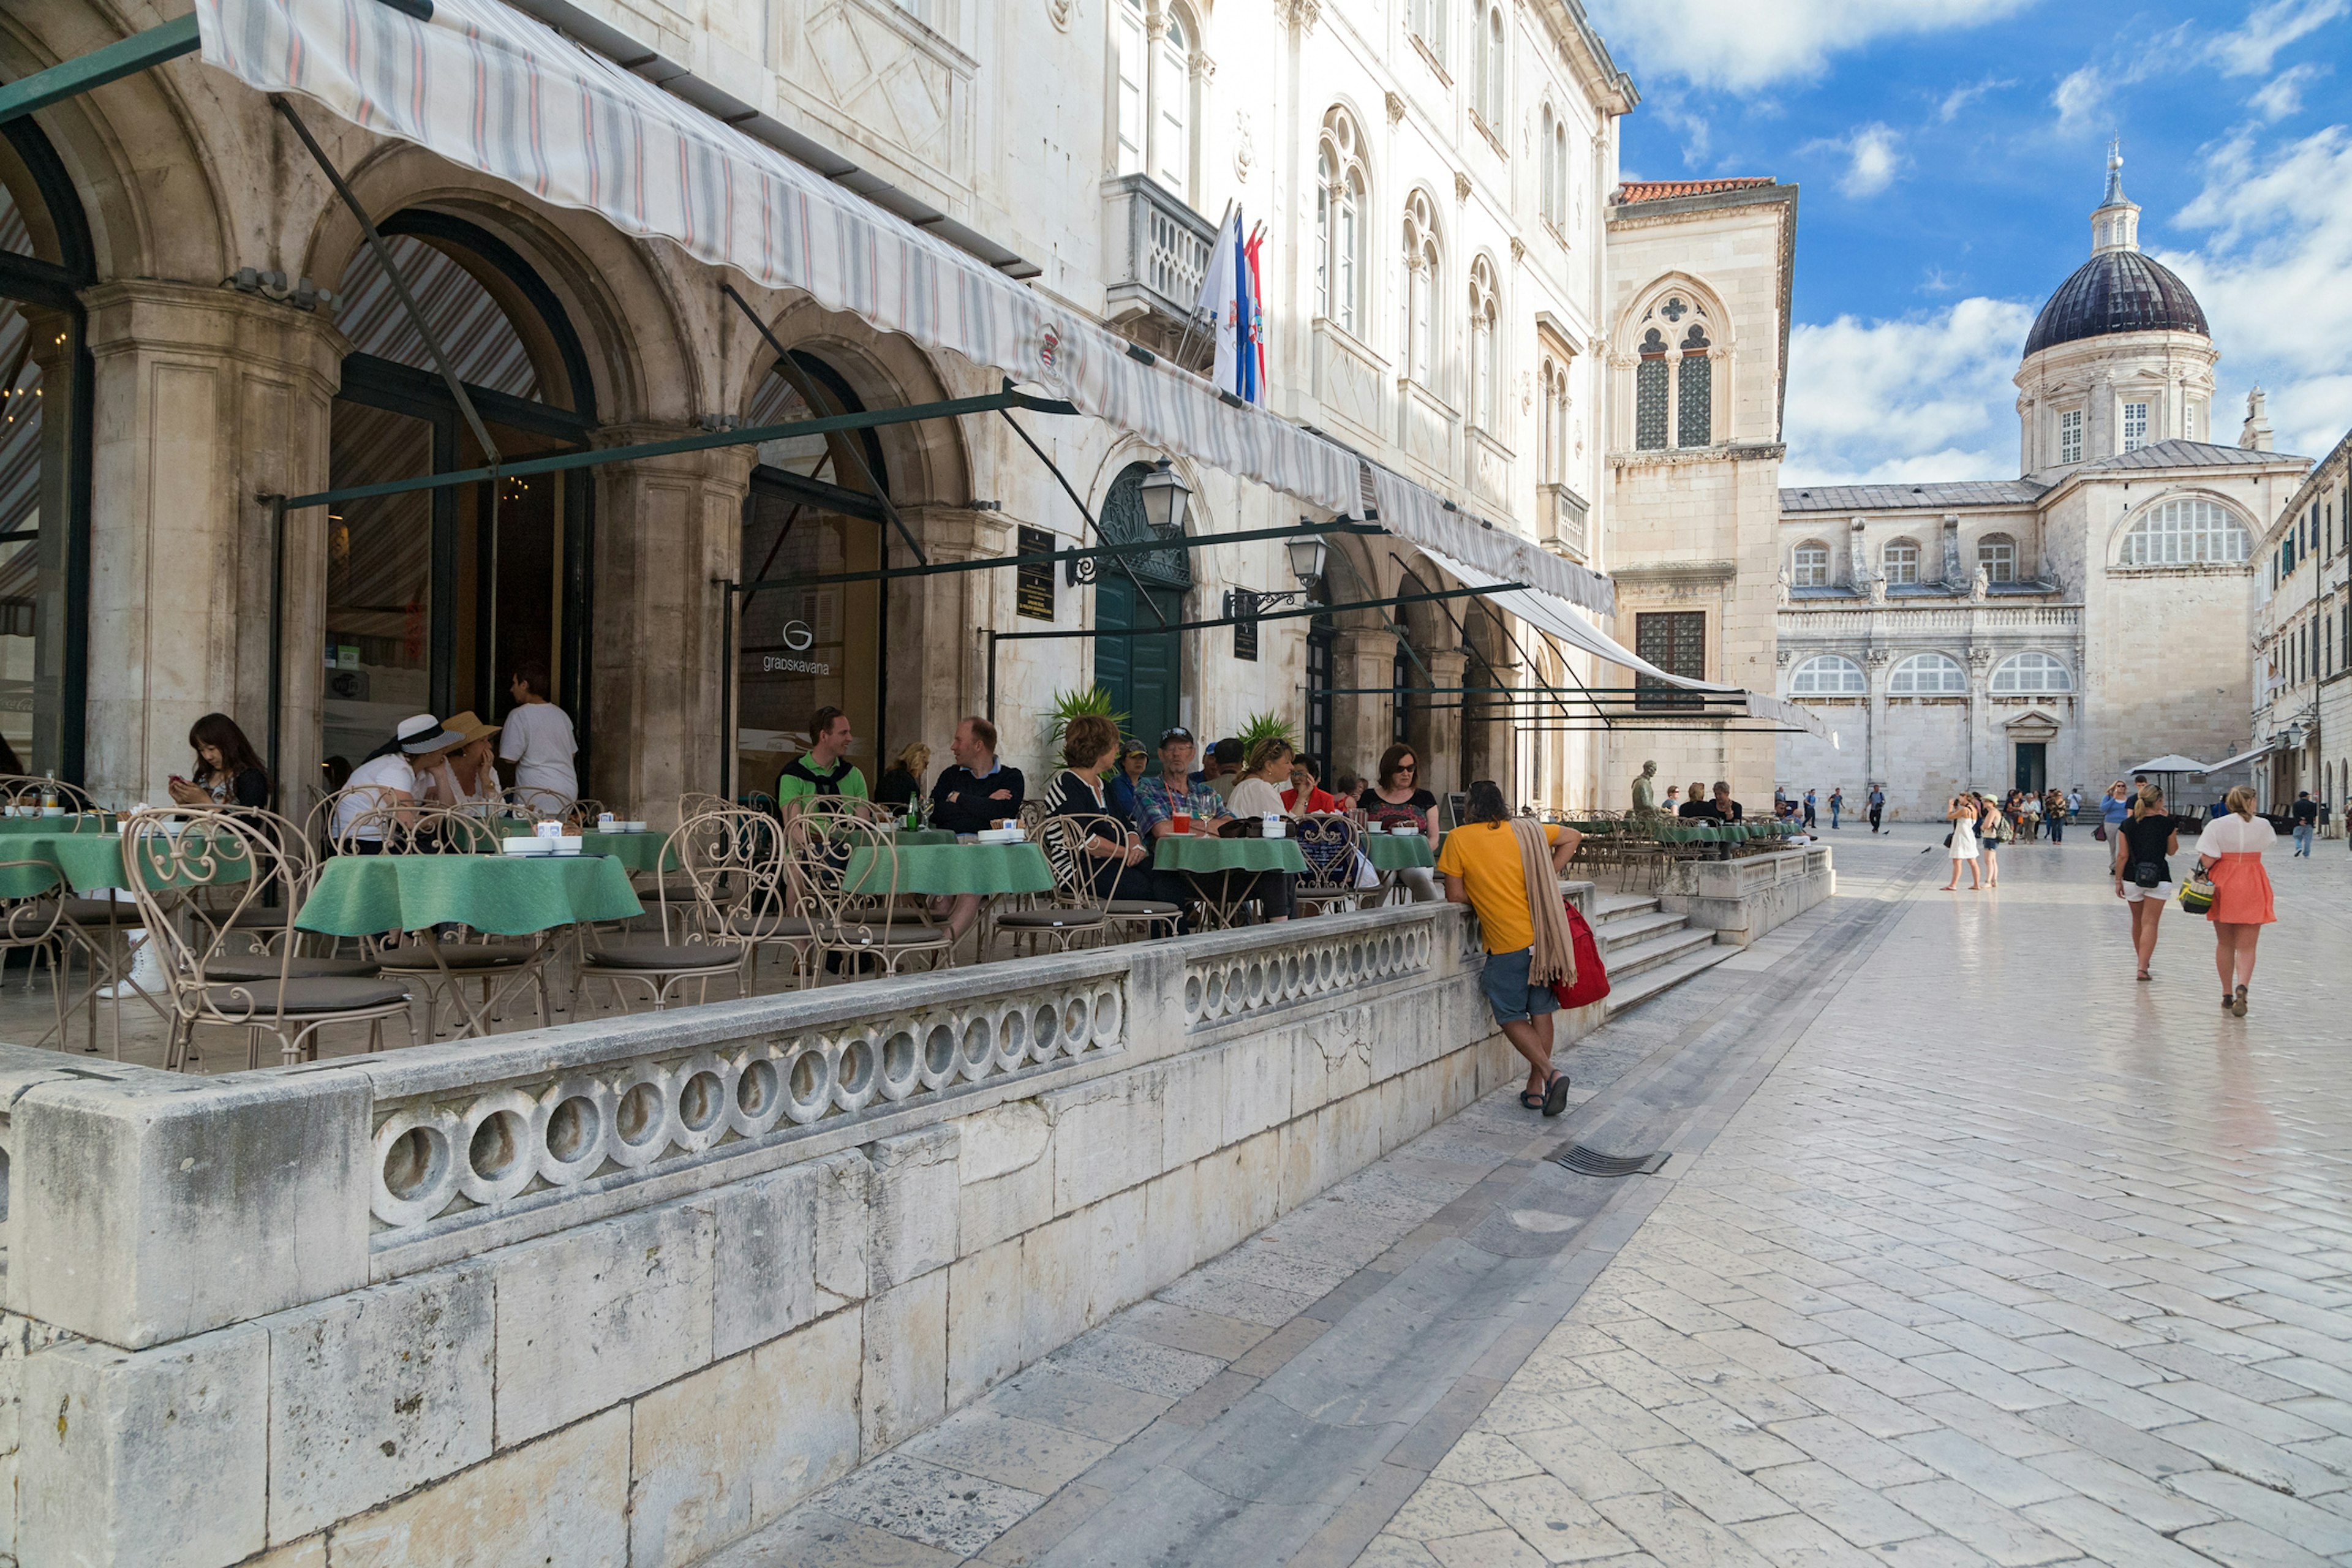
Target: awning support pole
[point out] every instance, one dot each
(399, 286)
(124, 56)
(726, 735)
(1150, 602)
(276, 505)
(856, 456)
(992, 636)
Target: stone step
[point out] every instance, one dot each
(1611, 907)
(1641, 957)
(1626, 929)
(1639, 988)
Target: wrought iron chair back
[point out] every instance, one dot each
(732, 861)
(1330, 843)
(23, 792)
(1070, 842)
(844, 866)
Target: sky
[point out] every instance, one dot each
(1949, 155)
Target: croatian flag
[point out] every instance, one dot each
(1230, 298)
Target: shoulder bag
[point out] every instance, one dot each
(2197, 893)
(1592, 975)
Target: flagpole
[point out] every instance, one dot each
(1184, 344)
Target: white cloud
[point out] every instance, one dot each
(2081, 98)
(1923, 397)
(1959, 98)
(2274, 275)
(2250, 50)
(1744, 47)
(2283, 94)
(1873, 160)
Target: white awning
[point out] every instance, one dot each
(2265, 750)
(491, 89)
(1413, 513)
(1553, 614)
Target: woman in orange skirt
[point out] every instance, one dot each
(2230, 851)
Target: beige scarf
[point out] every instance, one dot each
(1554, 958)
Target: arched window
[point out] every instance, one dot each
(1427, 20)
(1421, 266)
(1928, 675)
(1485, 317)
(1695, 390)
(1559, 176)
(1996, 553)
(1899, 562)
(2030, 674)
(1828, 675)
(1491, 58)
(1651, 377)
(1552, 389)
(2186, 533)
(1171, 107)
(1545, 199)
(1339, 209)
(1808, 566)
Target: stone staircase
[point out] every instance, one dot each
(1648, 951)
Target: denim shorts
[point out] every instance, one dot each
(1508, 991)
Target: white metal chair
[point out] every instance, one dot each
(732, 862)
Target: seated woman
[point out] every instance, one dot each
(902, 783)
(1265, 771)
(1120, 786)
(467, 778)
(1304, 780)
(390, 780)
(1398, 800)
(1117, 868)
(1700, 806)
(227, 773)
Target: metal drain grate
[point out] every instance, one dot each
(1587, 1161)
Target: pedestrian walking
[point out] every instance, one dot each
(2143, 871)
(2053, 811)
(2116, 806)
(2305, 813)
(1961, 812)
(1992, 827)
(1507, 869)
(1809, 811)
(1837, 804)
(2229, 852)
(1877, 806)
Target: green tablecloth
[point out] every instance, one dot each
(645, 851)
(358, 895)
(56, 824)
(1200, 856)
(88, 861)
(1389, 853)
(952, 867)
(918, 835)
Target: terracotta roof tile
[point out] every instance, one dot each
(1633, 191)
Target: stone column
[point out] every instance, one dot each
(938, 654)
(1360, 722)
(1875, 661)
(1979, 667)
(1440, 736)
(205, 399)
(667, 529)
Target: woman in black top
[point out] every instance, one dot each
(904, 780)
(226, 771)
(2142, 872)
(1116, 867)
(1699, 807)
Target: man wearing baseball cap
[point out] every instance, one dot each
(1158, 801)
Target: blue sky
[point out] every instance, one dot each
(1949, 152)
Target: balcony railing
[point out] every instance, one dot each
(1160, 253)
(1563, 519)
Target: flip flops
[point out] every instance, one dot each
(1554, 1095)
(1535, 1102)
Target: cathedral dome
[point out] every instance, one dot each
(2117, 290)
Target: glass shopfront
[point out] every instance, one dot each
(802, 644)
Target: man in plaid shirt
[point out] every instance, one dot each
(1157, 801)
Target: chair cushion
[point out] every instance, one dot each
(741, 921)
(455, 955)
(308, 998)
(94, 912)
(1048, 919)
(884, 936)
(261, 967)
(654, 956)
(1143, 907)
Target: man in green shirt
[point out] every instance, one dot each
(822, 769)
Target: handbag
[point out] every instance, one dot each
(2100, 833)
(2197, 894)
(2147, 873)
(1591, 975)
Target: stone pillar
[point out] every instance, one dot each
(205, 399)
(1440, 736)
(938, 654)
(1361, 720)
(1874, 755)
(667, 529)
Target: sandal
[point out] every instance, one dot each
(2144, 974)
(1536, 1101)
(1554, 1095)
(2238, 1003)
(2228, 1002)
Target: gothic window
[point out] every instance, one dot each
(1559, 175)
(1675, 642)
(1808, 566)
(1551, 158)
(1492, 55)
(2135, 427)
(2030, 674)
(1339, 209)
(1900, 562)
(1421, 265)
(2186, 533)
(1928, 675)
(1827, 675)
(1552, 386)
(1695, 391)
(1484, 319)
(1650, 378)
(1996, 553)
(2070, 436)
(1427, 20)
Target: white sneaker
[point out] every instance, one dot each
(146, 971)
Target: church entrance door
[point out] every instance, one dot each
(2033, 775)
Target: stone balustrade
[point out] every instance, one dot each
(628, 1288)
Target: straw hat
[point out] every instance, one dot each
(469, 725)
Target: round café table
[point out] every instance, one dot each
(1389, 853)
(537, 896)
(939, 869)
(1223, 872)
(646, 851)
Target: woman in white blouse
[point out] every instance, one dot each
(2230, 851)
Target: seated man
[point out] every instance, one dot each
(1728, 809)
(976, 791)
(1158, 800)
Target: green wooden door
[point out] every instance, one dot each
(1144, 675)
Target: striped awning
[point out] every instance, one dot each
(494, 91)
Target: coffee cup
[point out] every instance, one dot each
(1180, 822)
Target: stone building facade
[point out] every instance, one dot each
(1447, 288)
(2303, 643)
(2053, 630)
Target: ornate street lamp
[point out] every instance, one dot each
(1307, 559)
(1166, 499)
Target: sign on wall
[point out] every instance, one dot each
(1034, 589)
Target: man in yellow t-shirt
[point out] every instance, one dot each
(1480, 862)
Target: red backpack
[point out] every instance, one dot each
(1591, 975)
